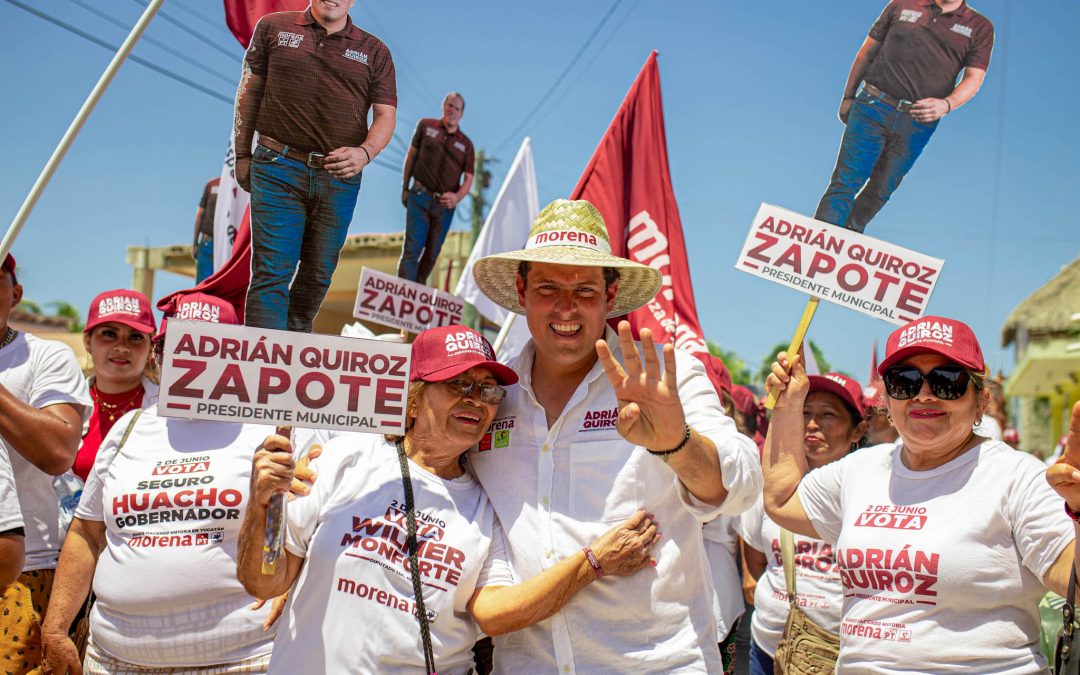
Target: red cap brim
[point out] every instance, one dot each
(504, 375)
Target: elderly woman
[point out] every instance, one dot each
(156, 532)
(119, 327)
(833, 425)
(945, 540)
(397, 554)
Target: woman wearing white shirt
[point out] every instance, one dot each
(945, 541)
(833, 416)
(379, 589)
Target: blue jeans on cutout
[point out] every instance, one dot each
(299, 219)
(204, 258)
(426, 225)
(760, 662)
(879, 147)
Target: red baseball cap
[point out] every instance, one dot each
(934, 335)
(130, 308)
(718, 373)
(9, 267)
(847, 389)
(439, 354)
(200, 307)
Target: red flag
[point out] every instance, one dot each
(874, 377)
(230, 283)
(242, 15)
(629, 182)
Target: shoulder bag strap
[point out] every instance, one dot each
(787, 553)
(410, 539)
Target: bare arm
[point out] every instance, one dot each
(451, 199)
(930, 109)
(621, 551)
(383, 121)
(1064, 477)
(48, 438)
(863, 58)
(195, 241)
(245, 113)
(755, 560)
(784, 460)
(1057, 577)
(71, 585)
(12, 550)
(271, 473)
(346, 162)
(406, 173)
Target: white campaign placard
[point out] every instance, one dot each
(842, 266)
(399, 303)
(229, 373)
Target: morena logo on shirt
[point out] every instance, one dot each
(926, 330)
(287, 39)
(498, 436)
(119, 305)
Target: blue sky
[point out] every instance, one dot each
(750, 93)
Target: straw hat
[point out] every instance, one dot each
(567, 233)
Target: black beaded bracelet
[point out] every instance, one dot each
(680, 446)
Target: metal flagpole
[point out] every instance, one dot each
(76, 125)
(504, 332)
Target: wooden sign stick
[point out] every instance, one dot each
(274, 535)
(796, 342)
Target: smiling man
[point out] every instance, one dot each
(440, 164)
(594, 432)
(308, 83)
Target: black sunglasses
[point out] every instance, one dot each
(489, 393)
(946, 382)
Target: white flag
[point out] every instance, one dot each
(506, 229)
(811, 366)
(231, 204)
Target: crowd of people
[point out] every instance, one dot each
(597, 502)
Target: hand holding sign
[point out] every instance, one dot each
(1064, 476)
(650, 412)
(788, 383)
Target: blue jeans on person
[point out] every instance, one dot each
(426, 225)
(204, 258)
(299, 219)
(879, 147)
(760, 662)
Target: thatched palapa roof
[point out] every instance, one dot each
(1048, 311)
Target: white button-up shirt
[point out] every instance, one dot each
(556, 490)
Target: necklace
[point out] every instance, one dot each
(9, 337)
(114, 410)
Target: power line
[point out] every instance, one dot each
(113, 48)
(408, 72)
(561, 77)
(190, 31)
(209, 20)
(158, 43)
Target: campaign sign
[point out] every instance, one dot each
(400, 303)
(232, 373)
(842, 266)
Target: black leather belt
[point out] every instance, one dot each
(423, 189)
(312, 159)
(901, 104)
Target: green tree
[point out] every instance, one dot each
(30, 307)
(736, 365)
(67, 311)
(766, 363)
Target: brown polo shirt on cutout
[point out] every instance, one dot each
(318, 87)
(441, 157)
(208, 204)
(923, 49)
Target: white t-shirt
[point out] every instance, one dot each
(557, 489)
(941, 568)
(172, 500)
(351, 609)
(721, 541)
(818, 589)
(41, 373)
(10, 513)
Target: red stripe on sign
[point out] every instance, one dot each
(180, 406)
(750, 265)
(396, 425)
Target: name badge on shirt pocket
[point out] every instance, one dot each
(603, 482)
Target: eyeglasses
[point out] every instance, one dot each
(946, 382)
(489, 393)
